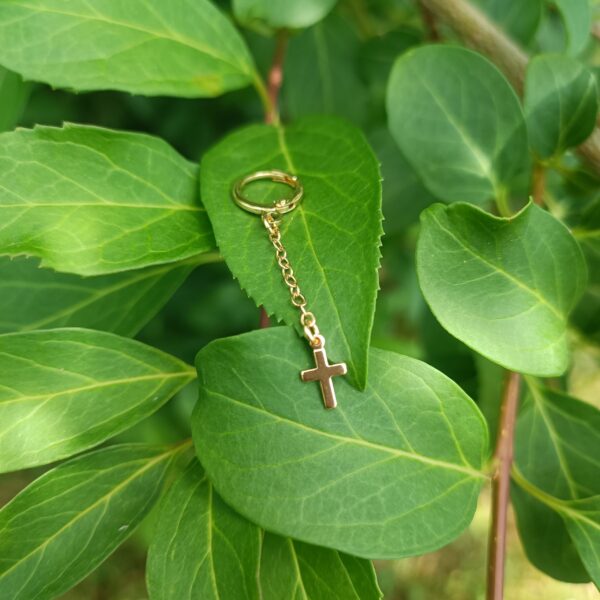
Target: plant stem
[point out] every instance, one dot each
(539, 184)
(503, 457)
(480, 33)
(429, 22)
(275, 77)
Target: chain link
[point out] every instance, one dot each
(307, 318)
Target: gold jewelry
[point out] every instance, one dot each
(270, 215)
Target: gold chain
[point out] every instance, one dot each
(307, 319)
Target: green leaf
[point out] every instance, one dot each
(280, 14)
(203, 549)
(546, 541)
(65, 390)
(176, 48)
(68, 521)
(296, 571)
(577, 19)
(35, 298)
(519, 19)
(92, 201)
(561, 103)
(556, 469)
(404, 195)
(321, 73)
(332, 237)
(13, 96)
(458, 122)
(502, 286)
(339, 478)
(376, 59)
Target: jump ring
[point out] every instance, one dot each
(282, 206)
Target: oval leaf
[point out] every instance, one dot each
(175, 48)
(63, 391)
(34, 298)
(68, 521)
(93, 201)
(556, 469)
(504, 287)
(339, 478)
(458, 122)
(332, 237)
(577, 18)
(280, 14)
(561, 104)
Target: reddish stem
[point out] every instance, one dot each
(539, 184)
(503, 456)
(264, 319)
(275, 77)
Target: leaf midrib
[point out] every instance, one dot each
(288, 158)
(538, 401)
(105, 498)
(559, 506)
(187, 374)
(358, 441)
(500, 270)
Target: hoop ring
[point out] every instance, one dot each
(282, 206)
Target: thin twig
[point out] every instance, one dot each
(429, 23)
(539, 184)
(264, 319)
(503, 457)
(480, 33)
(275, 77)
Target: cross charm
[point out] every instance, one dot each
(323, 374)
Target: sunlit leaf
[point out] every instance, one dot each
(177, 48)
(65, 390)
(71, 519)
(92, 201)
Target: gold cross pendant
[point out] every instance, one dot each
(323, 373)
